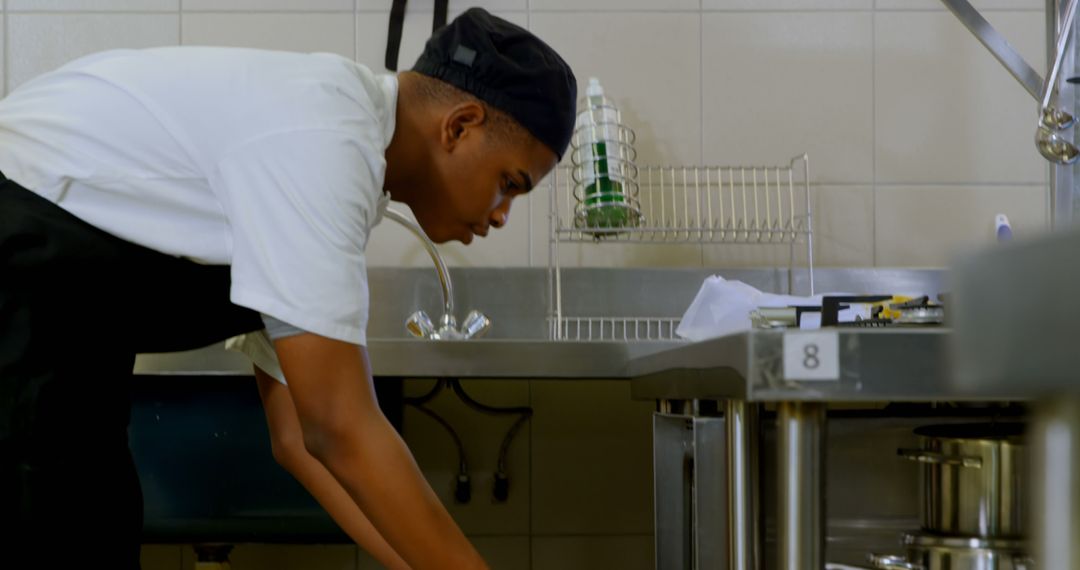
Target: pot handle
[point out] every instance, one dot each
(892, 562)
(1023, 563)
(923, 456)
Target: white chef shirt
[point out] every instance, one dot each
(270, 162)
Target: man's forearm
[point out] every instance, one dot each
(375, 467)
(288, 447)
(342, 508)
(343, 427)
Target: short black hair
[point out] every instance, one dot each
(504, 129)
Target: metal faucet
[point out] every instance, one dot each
(419, 323)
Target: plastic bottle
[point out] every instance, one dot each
(1002, 228)
(604, 204)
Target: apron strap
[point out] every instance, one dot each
(397, 24)
(440, 15)
(393, 42)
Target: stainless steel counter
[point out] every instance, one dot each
(896, 364)
(408, 358)
(875, 365)
(517, 301)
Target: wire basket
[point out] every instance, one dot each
(738, 205)
(604, 174)
(696, 204)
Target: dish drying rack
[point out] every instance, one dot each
(736, 205)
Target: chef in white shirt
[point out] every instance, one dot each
(169, 198)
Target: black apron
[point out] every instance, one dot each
(76, 305)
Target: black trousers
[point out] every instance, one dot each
(76, 305)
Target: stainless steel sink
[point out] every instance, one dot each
(516, 300)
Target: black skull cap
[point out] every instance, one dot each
(508, 68)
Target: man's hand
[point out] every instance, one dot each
(344, 429)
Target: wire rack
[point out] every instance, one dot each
(628, 329)
(737, 205)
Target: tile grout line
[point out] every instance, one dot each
(529, 229)
(520, 11)
(701, 98)
(873, 138)
(531, 480)
(355, 57)
(529, 241)
(7, 48)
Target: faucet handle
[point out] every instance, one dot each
(419, 325)
(476, 325)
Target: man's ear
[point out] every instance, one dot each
(460, 122)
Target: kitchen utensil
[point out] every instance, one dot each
(972, 481)
(1055, 147)
(955, 553)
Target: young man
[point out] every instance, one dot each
(165, 199)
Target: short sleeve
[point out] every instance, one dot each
(258, 347)
(300, 206)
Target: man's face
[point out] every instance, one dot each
(476, 180)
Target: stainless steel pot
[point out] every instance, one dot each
(972, 479)
(953, 553)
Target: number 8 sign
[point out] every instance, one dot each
(812, 356)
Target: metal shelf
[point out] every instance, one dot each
(627, 329)
(697, 204)
(875, 365)
(678, 205)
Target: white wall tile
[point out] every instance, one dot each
(614, 5)
(43, 42)
(590, 552)
(794, 5)
(717, 256)
(3, 56)
(93, 5)
(655, 83)
(456, 6)
(270, 5)
(927, 226)
(481, 435)
(629, 255)
(391, 245)
(329, 32)
(372, 28)
(946, 110)
(539, 209)
(978, 4)
(843, 224)
(779, 84)
(591, 460)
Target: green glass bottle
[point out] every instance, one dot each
(604, 202)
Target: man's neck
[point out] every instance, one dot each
(407, 157)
